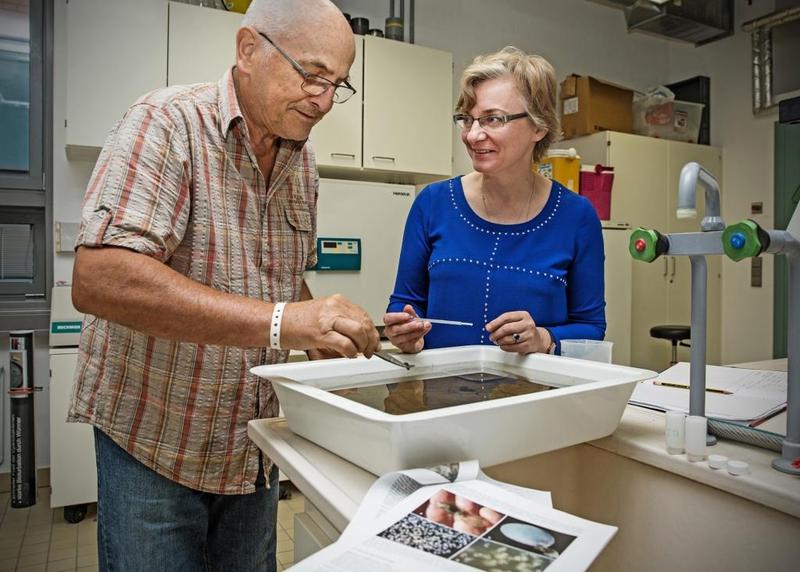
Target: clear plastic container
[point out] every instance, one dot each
(676, 120)
(592, 350)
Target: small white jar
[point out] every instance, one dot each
(696, 430)
(674, 431)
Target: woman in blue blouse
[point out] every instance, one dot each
(518, 256)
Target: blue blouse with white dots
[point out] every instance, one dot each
(455, 265)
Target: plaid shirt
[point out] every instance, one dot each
(177, 180)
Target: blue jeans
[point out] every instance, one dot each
(148, 522)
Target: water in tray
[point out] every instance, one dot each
(427, 392)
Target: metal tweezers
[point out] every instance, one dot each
(393, 360)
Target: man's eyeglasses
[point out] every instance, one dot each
(488, 122)
(314, 84)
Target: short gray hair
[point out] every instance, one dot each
(535, 80)
(277, 18)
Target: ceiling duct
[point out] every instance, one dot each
(693, 21)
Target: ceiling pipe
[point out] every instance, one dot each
(410, 21)
(766, 68)
(402, 15)
(755, 42)
(772, 20)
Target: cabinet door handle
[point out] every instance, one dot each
(382, 158)
(672, 274)
(344, 155)
(666, 266)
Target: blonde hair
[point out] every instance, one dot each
(535, 80)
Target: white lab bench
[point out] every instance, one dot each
(671, 514)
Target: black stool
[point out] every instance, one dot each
(675, 334)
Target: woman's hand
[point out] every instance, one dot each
(517, 332)
(405, 333)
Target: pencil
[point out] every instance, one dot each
(684, 386)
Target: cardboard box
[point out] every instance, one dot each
(589, 105)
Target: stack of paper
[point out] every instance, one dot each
(746, 396)
(454, 517)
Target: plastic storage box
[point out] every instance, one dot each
(586, 403)
(676, 120)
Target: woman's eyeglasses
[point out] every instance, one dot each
(488, 122)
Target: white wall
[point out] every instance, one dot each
(748, 168)
(576, 36)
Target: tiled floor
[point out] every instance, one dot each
(39, 539)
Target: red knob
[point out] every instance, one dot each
(640, 245)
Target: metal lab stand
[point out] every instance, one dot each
(746, 239)
(646, 245)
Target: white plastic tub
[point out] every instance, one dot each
(587, 404)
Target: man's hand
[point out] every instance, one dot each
(330, 324)
(316, 354)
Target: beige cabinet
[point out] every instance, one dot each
(336, 139)
(117, 51)
(618, 276)
(646, 175)
(399, 122)
(120, 50)
(73, 473)
(407, 107)
(397, 127)
(202, 43)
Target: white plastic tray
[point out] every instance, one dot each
(587, 405)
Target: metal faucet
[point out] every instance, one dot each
(691, 175)
(647, 245)
(746, 239)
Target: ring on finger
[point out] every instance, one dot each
(517, 338)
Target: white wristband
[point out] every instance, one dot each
(275, 326)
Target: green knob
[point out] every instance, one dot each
(742, 240)
(642, 245)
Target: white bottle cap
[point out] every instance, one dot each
(674, 431)
(738, 468)
(717, 461)
(696, 429)
(570, 153)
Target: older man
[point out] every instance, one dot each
(197, 225)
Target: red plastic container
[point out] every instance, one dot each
(596, 186)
